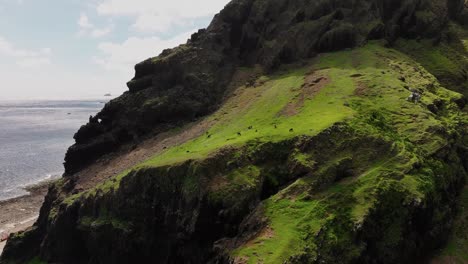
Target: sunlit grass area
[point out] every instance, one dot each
(366, 89)
(382, 79)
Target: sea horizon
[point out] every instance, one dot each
(34, 137)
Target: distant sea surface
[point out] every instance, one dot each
(34, 136)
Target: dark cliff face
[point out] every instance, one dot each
(190, 81)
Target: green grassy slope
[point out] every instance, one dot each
(366, 81)
(380, 109)
(366, 89)
(377, 69)
(447, 61)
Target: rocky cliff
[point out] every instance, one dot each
(282, 133)
(191, 80)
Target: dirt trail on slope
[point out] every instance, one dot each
(129, 156)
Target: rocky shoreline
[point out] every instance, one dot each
(19, 213)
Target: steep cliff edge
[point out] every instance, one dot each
(299, 152)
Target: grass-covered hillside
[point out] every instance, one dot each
(282, 133)
(325, 161)
(362, 87)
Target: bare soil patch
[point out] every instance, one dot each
(266, 233)
(130, 156)
(313, 83)
(361, 89)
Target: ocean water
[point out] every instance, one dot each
(34, 137)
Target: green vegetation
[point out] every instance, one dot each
(240, 180)
(383, 78)
(36, 260)
(284, 237)
(448, 62)
(355, 156)
(382, 158)
(260, 108)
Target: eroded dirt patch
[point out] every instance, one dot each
(266, 233)
(218, 183)
(361, 89)
(130, 156)
(241, 260)
(313, 83)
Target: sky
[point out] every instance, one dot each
(83, 49)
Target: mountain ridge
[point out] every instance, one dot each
(245, 33)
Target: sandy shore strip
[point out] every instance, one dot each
(17, 214)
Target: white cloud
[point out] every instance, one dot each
(160, 15)
(151, 22)
(83, 22)
(46, 50)
(111, 65)
(32, 62)
(123, 56)
(23, 57)
(86, 28)
(100, 32)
